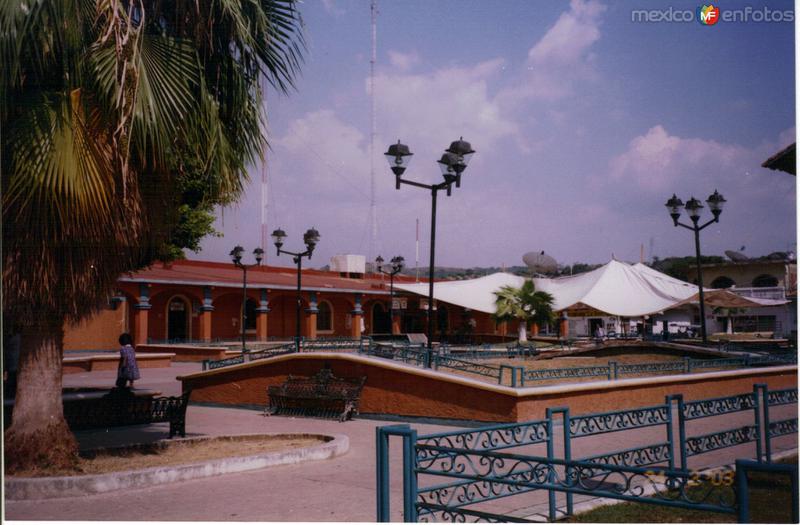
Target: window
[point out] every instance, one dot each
(324, 317)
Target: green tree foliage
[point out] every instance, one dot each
(679, 267)
(124, 123)
(525, 304)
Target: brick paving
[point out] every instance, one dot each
(339, 489)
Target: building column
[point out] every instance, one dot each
(397, 321)
(564, 326)
(311, 316)
(206, 310)
(141, 311)
(262, 316)
(358, 314)
(534, 329)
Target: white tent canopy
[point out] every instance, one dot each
(616, 288)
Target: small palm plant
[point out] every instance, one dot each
(729, 313)
(525, 304)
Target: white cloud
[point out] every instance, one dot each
(658, 161)
(329, 155)
(428, 110)
(657, 164)
(332, 8)
(571, 37)
(786, 137)
(562, 57)
(403, 61)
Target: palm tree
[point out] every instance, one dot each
(110, 110)
(525, 304)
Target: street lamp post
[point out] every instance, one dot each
(310, 238)
(236, 257)
(397, 266)
(453, 163)
(693, 210)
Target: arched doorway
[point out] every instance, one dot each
(765, 281)
(250, 315)
(722, 282)
(178, 312)
(381, 321)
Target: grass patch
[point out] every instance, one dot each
(171, 453)
(770, 502)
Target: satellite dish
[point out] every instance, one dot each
(540, 262)
(736, 256)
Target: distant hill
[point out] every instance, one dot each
(674, 266)
(455, 274)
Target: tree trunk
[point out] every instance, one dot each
(523, 331)
(39, 435)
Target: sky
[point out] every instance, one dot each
(584, 123)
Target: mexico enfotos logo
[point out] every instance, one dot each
(709, 15)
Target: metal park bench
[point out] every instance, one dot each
(322, 395)
(121, 407)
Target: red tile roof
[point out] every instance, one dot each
(199, 273)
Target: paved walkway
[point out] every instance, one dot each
(339, 489)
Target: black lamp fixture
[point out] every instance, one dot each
(236, 258)
(694, 209)
(452, 164)
(397, 264)
(311, 239)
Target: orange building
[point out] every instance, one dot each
(202, 301)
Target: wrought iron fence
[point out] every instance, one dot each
(464, 360)
(286, 348)
(442, 361)
(765, 345)
(333, 343)
(464, 468)
(273, 351)
(574, 372)
(782, 427)
(306, 345)
(614, 370)
(487, 351)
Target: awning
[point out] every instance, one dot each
(728, 299)
(616, 288)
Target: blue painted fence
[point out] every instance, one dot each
(462, 469)
(306, 345)
(468, 360)
(614, 370)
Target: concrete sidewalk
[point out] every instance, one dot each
(339, 489)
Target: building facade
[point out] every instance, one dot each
(763, 279)
(198, 301)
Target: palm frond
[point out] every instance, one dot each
(38, 49)
(524, 303)
(60, 172)
(168, 77)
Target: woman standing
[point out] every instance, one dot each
(127, 370)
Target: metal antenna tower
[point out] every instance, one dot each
(373, 218)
